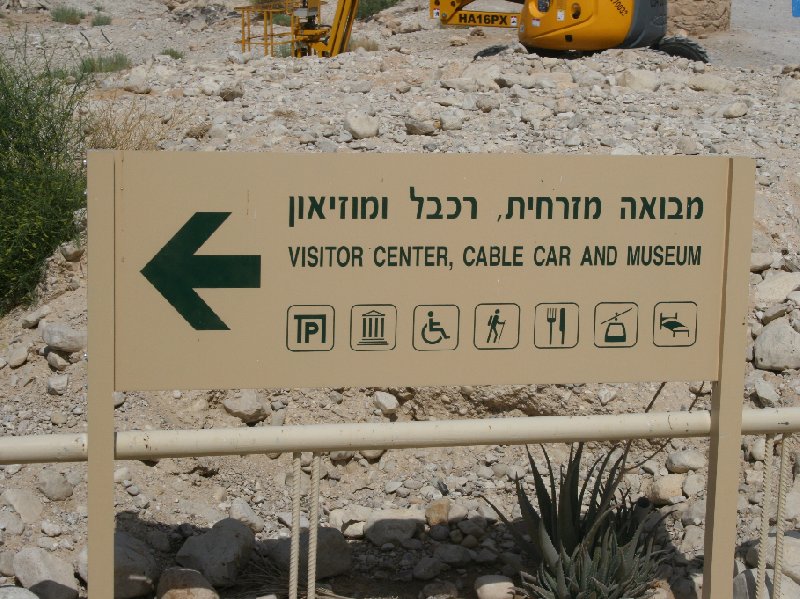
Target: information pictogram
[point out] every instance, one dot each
(436, 327)
(556, 325)
(310, 328)
(373, 327)
(616, 324)
(675, 324)
(496, 326)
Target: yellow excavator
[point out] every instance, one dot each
(550, 27)
(544, 26)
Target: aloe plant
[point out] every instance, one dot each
(596, 552)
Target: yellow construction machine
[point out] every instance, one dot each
(293, 28)
(577, 26)
(544, 26)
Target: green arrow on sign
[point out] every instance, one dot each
(175, 271)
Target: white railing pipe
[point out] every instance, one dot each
(142, 445)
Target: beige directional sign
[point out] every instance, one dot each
(269, 270)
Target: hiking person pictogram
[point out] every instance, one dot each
(494, 321)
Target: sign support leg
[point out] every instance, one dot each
(102, 189)
(726, 396)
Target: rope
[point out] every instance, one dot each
(294, 567)
(780, 525)
(766, 502)
(313, 522)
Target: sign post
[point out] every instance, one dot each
(265, 270)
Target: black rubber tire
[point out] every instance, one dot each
(681, 46)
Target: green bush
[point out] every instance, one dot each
(367, 8)
(282, 19)
(42, 180)
(583, 540)
(100, 20)
(104, 64)
(67, 14)
(172, 53)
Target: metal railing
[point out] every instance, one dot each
(318, 438)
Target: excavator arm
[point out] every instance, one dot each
(451, 12)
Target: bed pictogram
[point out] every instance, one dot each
(675, 324)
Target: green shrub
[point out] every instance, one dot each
(172, 53)
(367, 8)
(67, 14)
(42, 181)
(100, 20)
(104, 63)
(583, 540)
(282, 19)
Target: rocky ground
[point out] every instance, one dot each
(402, 523)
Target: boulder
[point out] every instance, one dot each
(494, 587)
(249, 407)
(438, 512)
(220, 553)
(31, 320)
(45, 575)
(385, 402)
(6, 563)
(532, 113)
(361, 125)
(241, 511)
(24, 502)
(135, 568)
(16, 593)
(334, 556)
(791, 554)
(777, 347)
(680, 462)
(453, 555)
(760, 261)
(62, 338)
(735, 110)
(790, 91)
(11, 523)
(666, 488)
(639, 80)
(393, 526)
(82, 564)
(17, 354)
(774, 289)
(706, 82)
(58, 384)
(767, 395)
(183, 583)
(419, 127)
(427, 568)
(71, 253)
(231, 91)
(744, 585)
(54, 485)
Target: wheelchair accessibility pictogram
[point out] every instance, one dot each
(436, 327)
